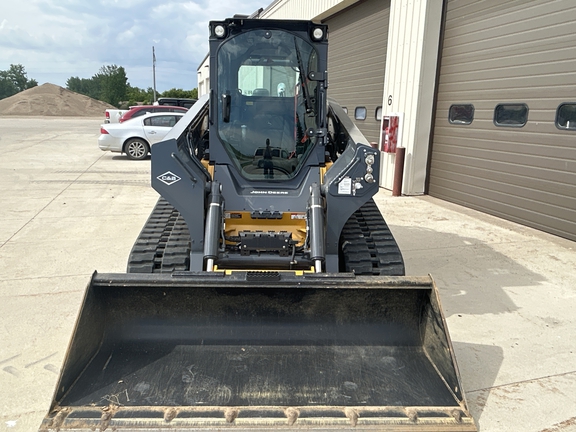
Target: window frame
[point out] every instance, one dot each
(356, 117)
(461, 123)
(509, 104)
(564, 128)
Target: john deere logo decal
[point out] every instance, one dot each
(168, 178)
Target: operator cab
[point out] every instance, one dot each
(270, 103)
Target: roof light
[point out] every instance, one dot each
(318, 33)
(220, 31)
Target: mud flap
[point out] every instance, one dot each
(253, 350)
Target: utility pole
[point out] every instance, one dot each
(154, 71)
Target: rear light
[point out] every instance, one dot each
(103, 131)
(107, 115)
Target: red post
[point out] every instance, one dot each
(398, 171)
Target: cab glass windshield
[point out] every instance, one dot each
(266, 102)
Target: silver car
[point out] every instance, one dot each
(135, 136)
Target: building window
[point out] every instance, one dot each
(461, 114)
(511, 115)
(566, 116)
(360, 113)
(378, 113)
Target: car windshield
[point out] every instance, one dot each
(266, 103)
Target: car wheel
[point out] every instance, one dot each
(136, 149)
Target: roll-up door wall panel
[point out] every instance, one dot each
(508, 52)
(358, 37)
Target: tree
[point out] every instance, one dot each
(85, 86)
(110, 85)
(114, 84)
(7, 87)
(14, 80)
(136, 94)
(179, 93)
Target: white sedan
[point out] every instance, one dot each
(135, 136)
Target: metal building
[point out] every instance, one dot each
(485, 92)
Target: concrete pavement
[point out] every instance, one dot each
(508, 292)
(509, 296)
(67, 209)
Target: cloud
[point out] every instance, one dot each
(57, 39)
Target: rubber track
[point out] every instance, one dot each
(367, 245)
(163, 245)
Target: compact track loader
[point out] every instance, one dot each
(265, 291)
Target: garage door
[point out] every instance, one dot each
(356, 61)
(504, 138)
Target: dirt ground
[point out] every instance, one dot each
(52, 100)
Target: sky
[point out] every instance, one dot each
(58, 39)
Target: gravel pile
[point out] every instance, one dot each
(52, 100)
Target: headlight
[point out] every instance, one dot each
(318, 33)
(220, 31)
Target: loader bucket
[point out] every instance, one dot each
(259, 350)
